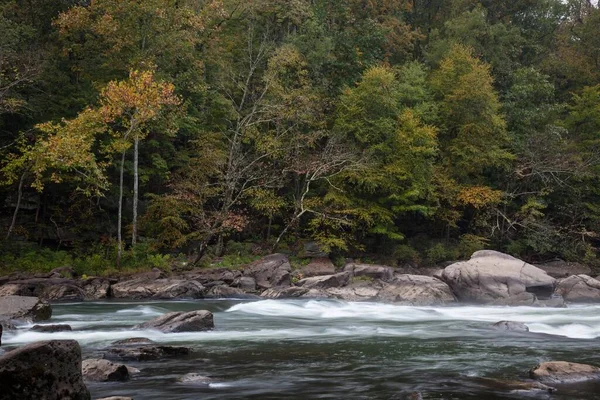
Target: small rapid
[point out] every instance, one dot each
(298, 349)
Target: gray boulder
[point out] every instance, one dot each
(356, 291)
(49, 370)
(284, 292)
(490, 276)
(270, 271)
(371, 271)
(24, 307)
(317, 267)
(579, 288)
(158, 289)
(100, 370)
(228, 292)
(177, 321)
(557, 372)
(416, 290)
(326, 281)
(245, 283)
(511, 326)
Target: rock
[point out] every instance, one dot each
(563, 269)
(284, 293)
(557, 372)
(24, 307)
(520, 386)
(358, 291)
(326, 281)
(96, 288)
(195, 379)
(371, 271)
(511, 326)
(51, 328)
(245, 283)
(579, 289)
(313, 250)
(144, 352)
(270, 271)
(43, 371)
(100, 370)
(208, 275)
(228, 292)
(136, 341)
(177, 321)
(491, 276)
(416, 290)
(317, 267)
(63, 272)
(158, 289)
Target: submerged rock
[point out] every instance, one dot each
(579, 289)
(195, 379)
(520, 386)
(43, 370)
(177, 321)
(136, 341)
(144, 352)
(493, 277)
(24, 307)
(51, 328)
(511, 326)
(100, 370)
(557, 372)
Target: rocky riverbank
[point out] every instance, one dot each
(488, 277)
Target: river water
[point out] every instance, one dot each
(308, 349)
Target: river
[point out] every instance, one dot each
(308, 349)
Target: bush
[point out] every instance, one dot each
(404, 253)
(441, 252)
(469, 244)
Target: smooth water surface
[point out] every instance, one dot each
(308, 349)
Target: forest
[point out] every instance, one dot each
(140, 133)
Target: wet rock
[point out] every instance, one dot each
(24, 307)
(284, 293)
(326, 281)
(195, 379)
(579, 289)
(371, 271)
(557, 372)
(228, 292)
(100, 370)
(555, 301)
(511, 326)
(317, 267)
(51, 328)
(193, 321)
(490, 276)
(520, 386)
(245, 283)
(136, 341)
(158, 289)
(416, 290)
(43, 370)
(144, 352)
(270, 271)
(563, 269)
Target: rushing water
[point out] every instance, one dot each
(275, 349)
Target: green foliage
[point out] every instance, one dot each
(441, 252)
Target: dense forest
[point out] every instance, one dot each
(133, 132)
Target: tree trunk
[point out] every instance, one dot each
(120, 216)
(17, 207)
(219, 246)
(135, 189)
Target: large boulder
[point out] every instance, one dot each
(371, 271)
(491, 276)
(24, 307)
(228, 292)
(563, 269)
(416, 290)
(48, 370)
(56, 288)
(579, 288)
(356, 291)
(317, 267)
(145, 352)
(245, 283)
(177, 321)
(158, 289)
(284, 292)
(557, 372)
(326, 281)
(270, 271)
(100, 370)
